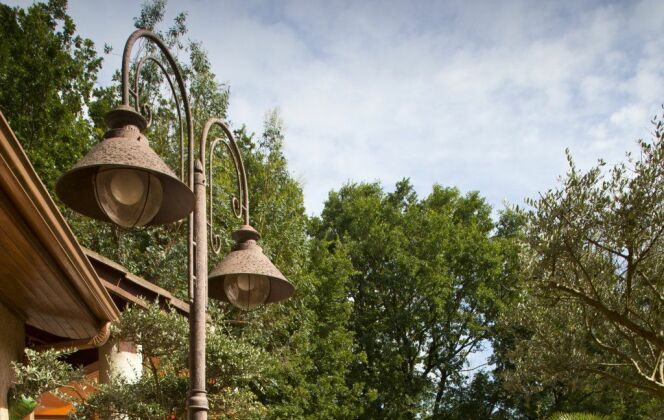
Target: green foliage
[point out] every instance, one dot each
(42, 372)
(47, 73)
(480, 398)
(589, 314)
(232, 364)
(315, 352)
(430, 277)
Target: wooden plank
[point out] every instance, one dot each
(36, 208)
(131, 285)
(117, 290)
(36, 282)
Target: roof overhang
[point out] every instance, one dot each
(127, 288)
(45, 277)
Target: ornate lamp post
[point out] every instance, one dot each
(123, 181)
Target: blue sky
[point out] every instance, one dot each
(479, 95)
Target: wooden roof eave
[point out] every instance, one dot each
(29, 195)
(130, 287)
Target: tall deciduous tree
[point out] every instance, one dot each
(429, 283)
(307, 338)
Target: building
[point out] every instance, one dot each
(53, 292)
(112, 358)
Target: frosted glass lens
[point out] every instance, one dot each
(244, 282)
(127, 186)
(129, 197)
(246, 291)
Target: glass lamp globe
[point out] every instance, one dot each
(246, 277)
(129, 197)
(247, 291)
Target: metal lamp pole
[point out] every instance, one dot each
(105, 183)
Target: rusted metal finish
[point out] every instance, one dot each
(248, 258)
(125, 115)
(198, 404)
(145, 108)
(128, 147)
(240, 210)
(126, 59)
(197, 401)
(240, 206)
(123, 146)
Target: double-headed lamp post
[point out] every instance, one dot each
(123, 181)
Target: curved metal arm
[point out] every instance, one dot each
(126, 58)
(197, 224)
(240, 206)
(137, 101)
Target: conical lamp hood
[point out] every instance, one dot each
(123, 146)
(248, 258)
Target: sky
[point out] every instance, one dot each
(483, 96)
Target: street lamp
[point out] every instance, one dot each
(123, 181)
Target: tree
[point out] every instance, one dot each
(591, 304)
(47, 73)
(429, 281)
(480, 398)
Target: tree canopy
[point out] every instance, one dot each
(47, 77)
(430, 279)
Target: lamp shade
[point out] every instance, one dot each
(246, 277)
(122, 180)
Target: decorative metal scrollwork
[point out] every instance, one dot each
(239, 205)
(181, 98)
(145, 108)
